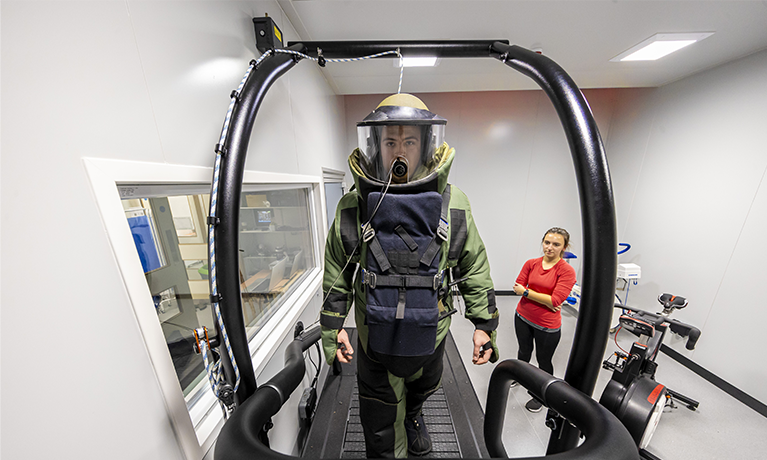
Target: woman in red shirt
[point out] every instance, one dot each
(544, 283)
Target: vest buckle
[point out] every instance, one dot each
(368, 233)
(442, 229)
(438, 280)
(369, 278)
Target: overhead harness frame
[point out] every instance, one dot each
(589, 158)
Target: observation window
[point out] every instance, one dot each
(275, 252)
(166, 208)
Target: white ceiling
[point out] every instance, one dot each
(581, 36)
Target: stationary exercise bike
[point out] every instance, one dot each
(632, 394)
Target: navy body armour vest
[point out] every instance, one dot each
(402, 276)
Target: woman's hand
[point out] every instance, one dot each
(519, 289)
(554, 308)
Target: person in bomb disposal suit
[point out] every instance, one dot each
(406, 233)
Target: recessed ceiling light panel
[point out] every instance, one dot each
(416, 61)
(659, 45)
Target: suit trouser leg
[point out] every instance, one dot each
(424, 383)
(382, 398)
(385, 399)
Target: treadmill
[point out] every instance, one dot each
(458, 427)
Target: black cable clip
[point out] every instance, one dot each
(553, 420)
(226, 396)
(213, 220)
(216, 298)
(320, 58)
(252, 62)
(268, 425)
(299, 329)
(220, 149)
(235, 95)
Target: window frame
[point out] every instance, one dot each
(197, 427)
(330, 175)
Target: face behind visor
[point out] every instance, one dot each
(399, 138)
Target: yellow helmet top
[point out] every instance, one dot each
(403, 100)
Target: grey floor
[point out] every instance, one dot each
(722, 427)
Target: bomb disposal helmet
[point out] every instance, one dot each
(399, 138)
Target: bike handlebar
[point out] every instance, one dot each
(694, 336)
(685, 330)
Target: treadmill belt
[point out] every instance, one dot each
(436, 415)
(452, 414)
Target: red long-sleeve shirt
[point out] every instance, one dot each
(557, 282)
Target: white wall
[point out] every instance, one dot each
(146, 81)
(689, 161)
(688, 164)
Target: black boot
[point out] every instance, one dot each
(418, 441)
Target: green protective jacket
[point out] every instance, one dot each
(347, 290)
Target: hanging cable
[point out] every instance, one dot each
(223, 391)
(615, 337)
(212, 221)
(349, 258)
(321, 60)
(401, 71)
(317, 59)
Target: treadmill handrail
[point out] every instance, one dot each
(239, 437)
(597, 220)
(606, 437)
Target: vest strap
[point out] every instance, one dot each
(401, 281)
(378, 253)
(401, 304)
(431, 251)
(442, 235)
(409, 241)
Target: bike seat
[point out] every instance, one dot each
(672, 301)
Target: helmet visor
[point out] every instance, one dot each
(403, 152)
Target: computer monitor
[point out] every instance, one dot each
(298, 262)
(269, 283)
(263, 218)
(278, 273)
